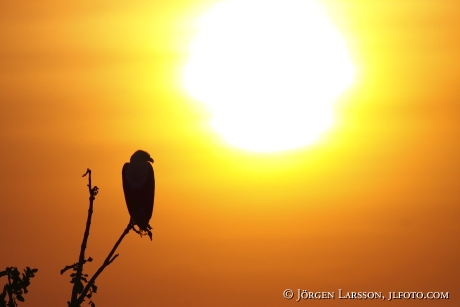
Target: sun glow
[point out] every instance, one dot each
(268, 71)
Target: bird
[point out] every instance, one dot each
(139, 188)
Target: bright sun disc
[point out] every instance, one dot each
(268, 71)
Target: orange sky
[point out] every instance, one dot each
(372, 206)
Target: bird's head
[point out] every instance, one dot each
(140, 156)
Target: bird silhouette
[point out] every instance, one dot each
(139, 189)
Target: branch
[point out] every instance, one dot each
(77, 287)
(10, 292)
(16, 286)
(110, 258)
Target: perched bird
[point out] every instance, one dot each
(139, 188)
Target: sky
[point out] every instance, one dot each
(371, 206)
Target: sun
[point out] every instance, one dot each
(268, 71)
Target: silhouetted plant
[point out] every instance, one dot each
(82, 287)
(16, 286)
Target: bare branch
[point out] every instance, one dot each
(77, 287)
(110, 258)
(114, 257)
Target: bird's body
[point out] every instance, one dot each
(139, 188)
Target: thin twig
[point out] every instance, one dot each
(77, 287)
(110, 258)
(10, 291)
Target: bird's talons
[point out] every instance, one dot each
(143, 232)
(149, 233)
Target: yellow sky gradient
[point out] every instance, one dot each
(372, 206)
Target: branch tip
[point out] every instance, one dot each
(88, 171)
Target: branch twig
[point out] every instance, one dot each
(78, 286)
(10, 294)
(79, 292)
(110, 258)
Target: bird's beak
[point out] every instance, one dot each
(150, 159)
